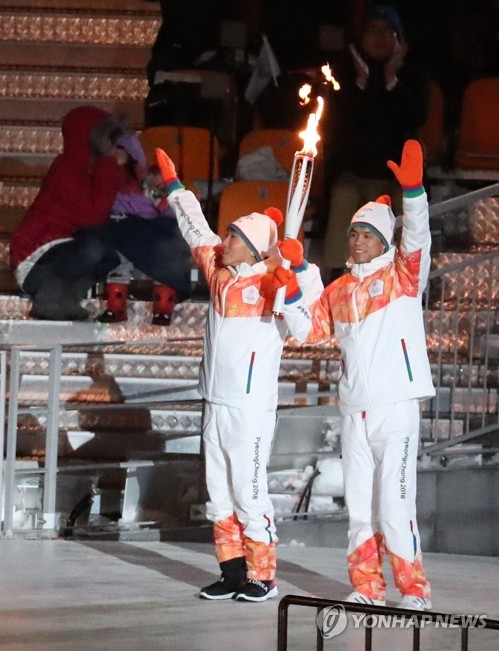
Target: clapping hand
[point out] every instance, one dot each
(394, 63)
(361, 67)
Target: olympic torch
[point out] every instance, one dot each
(299, 188)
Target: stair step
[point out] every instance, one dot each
(120, 432)
(18, 165)
(469, 374)
(318, 364)
(185, 331)
(109, 389)
(33, 138)
(131, 365)
(464, 400)
(76, 56)
(62, 26)
(47, 109)
(104, 388)
(479, 283)
(9, 219)
(179, 418)
(8, 282)
(324, 373)
(78, 86)
(448, 332)
(94, 6)
(16, 195)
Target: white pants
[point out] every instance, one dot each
(237, 446)
(380, 449)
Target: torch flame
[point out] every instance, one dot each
(304, 94)
(310, 135)
(328, 75)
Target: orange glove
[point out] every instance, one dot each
(292, 250)
(167, 170)
(410, 171)
(287, 278)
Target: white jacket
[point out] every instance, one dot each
(376, 314)
(243, 340)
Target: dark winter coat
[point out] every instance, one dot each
(368, 127)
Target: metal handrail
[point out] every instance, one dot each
(461, 304)
(419, 618)
(463, 200)
(51, 438)
(454, 203)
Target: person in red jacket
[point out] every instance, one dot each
(56, 255)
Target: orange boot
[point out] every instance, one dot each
(164, 302)
(116, 303)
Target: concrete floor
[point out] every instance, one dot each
(142, 596)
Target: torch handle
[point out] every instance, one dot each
(280, 295)
(298, 191)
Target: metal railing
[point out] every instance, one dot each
(417, 618)
(461, 305)
(46, 409)
(462, 326)
(51, 435)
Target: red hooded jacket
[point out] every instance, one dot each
(76, 191)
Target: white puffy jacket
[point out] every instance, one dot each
(375, 313)
(243, 340)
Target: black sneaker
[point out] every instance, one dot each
(221, 589)
(256, 590)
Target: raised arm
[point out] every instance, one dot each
(414, 249)
(190, 218)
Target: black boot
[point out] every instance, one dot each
(55, 300)
(231, 581)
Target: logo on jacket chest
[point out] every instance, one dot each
(250, 295)
(376, 288)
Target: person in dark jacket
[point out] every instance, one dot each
(55, 252)
(381, 103)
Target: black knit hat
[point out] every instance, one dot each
(388, 14)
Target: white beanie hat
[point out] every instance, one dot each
(258, 231)
(378, 217)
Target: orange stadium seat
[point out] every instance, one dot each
(431, 133)
(189, 148)
(478, 137)
(243, 197)
(165, 137)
